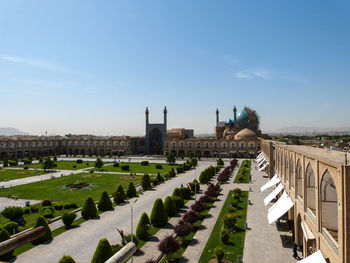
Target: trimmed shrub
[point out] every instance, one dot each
(105, 203)
(159, 166)
(125, 167)
(224, 236)
(11, 227)
(160, 178)
(146, 182)
(229, 221)
(232, 209)
(177, 192)
(99, 162)
(46, 203)
(41, 221)
(237, 191)
(220, 162)
(89, 209)
(70, 205)
(234, 203)
(58, 206)
(68, 219)
(47, 214)
(211, 191)
(4, 235)
(34, 209)
(134, 239)
(142, 227)
(180, 202)
(172, 173)
(79, 161)
(159, 216)
(103, 252)
(144, 163)
(219, 254)
(185, 193)
(115, 165)
(195, 184)
(183, 228)
(191, 217)
(170, 206)
(26, 210)
(203, 178)
(66, 259)
(131, 191)
(49, 209)
(14, 213)
(180, 169)
(169, 245)
(199, 206)
(116, 248)
(119, 196)
(205, 199)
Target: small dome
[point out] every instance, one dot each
(243, 117)
(246, 134)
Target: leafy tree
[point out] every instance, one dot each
(159, 216)
(103, 252)
(183, 228)
(48, 164)
(171, 158)
(89, 209)
(99, 162)
(105, 203)
(14, 213)
(5, 162)
(169, 245)
(131, 191)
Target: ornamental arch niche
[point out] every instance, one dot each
(310, 189)
(299, 186)
(291, 171)
(329, 205)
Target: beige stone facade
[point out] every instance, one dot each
(318, 182)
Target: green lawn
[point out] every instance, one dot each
(11, 174)
(244, 172)
(236, 241)
(65, 165)
(51, 189)
(138, 168)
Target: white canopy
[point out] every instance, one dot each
(316, 257)
(261, 163)
(280, 209)
(274, 180)
(273, 194)
(306, 231)
(260, 157)
(283, 196)
(261, 160)
(262, 168)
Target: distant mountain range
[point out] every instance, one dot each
(8, 131)
(309, 130)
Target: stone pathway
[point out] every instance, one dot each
(263, 242)
(4, 202)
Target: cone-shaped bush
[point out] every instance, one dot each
(146, 182)
(41, 221)
(121, 191)
(89, 209)
(142, 227)
(180, 202)
(131, 191)
(105, 203)
(4, 235)
(159, 216)
(170, 206)
(103, 252)
(66, 259)
(177, 192)
(119, 196)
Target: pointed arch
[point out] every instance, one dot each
(299, 186)
(291, 172)
(310, 189)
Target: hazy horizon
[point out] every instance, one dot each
(92, 68)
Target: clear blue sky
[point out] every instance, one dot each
(93, 66)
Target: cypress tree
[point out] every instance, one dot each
(105, 203)
(121, 191)
(142, 227)
(159, 216)
(41, 221)
(66, 259)
(177, 192)
(170, 206)
(146, 182)
(89, 209)
(4, 235)
(103, 252)
(131, 191)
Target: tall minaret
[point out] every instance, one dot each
(217, 116)
(147, 113)
(165, 119)
(234, 114)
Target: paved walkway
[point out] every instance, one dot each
(81, 242)
(4, 202)
(263, 242)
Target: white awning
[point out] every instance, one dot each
(280, 209)
(262, 162)
(306, 231)
(316, 257)
(274, 180)
(283, 196)
(273, 194)
(262, 168)
(260, 157)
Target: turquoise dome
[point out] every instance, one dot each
(243, 117)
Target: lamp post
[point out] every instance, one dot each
(132, 223)
(195, 184)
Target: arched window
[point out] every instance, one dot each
(292, 174)
(198, 145)
(310, 189)
(299, 179)
(173, 145)
(233, 145)
(286, 160)
(329, 205)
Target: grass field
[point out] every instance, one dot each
(51, 189)
(138, 168)
(236, 242)
(65, 165)
(11, 174)
(243, 174)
